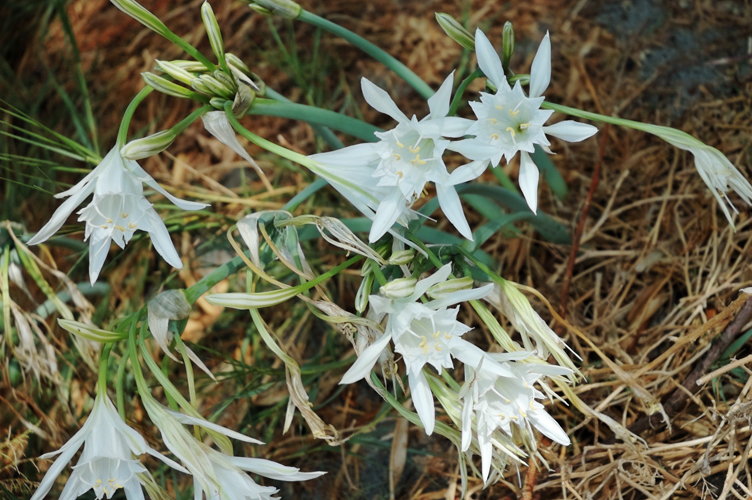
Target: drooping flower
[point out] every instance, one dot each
(408, 157)
(108, 461)
(424, 334)
(510, 122)
(118, 209)
(500, 401)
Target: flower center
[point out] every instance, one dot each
(509, 124)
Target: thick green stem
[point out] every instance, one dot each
(322, 131)
(103, 360)
(457, 100)
(372, 50)
(128, 115)
(311, 114)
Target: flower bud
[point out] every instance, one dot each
(252, 300)
(167, 87)
(225, 80)
(213, 32)
(455, 30)
(216, 87)
(192, 66)
(450, 286)
(507, 44)
(140, 14)
(175, 71)
(282, 8)
(199, 86)
(89, 332)
(399, 288)
(364, 290)
(148, 146)
(218, 102)
(261, 10)
(402, 257)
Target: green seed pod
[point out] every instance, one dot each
(402, 257)
(148, 146)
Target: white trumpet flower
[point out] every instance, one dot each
(511, 122)
(408, 157)
(107, 462)
(118, 209)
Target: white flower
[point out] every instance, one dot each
(424, 334)
(118, 209)
(509, 121)
(500, 401)
(406, 158)
(107, 462)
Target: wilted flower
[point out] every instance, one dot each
(118, 209)
(107, 462)
(509, 121)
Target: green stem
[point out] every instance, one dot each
(188, 120)
(326, 134)
(457, 100)
(188, 370)
(504, 179)
(163, 369)
(104, 358)
(372, 50)
(128, 115)
(376, 270)
(431, 256)
(311, 114)
(119, 384)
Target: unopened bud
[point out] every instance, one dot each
(216, 87)
(148, 146)
(399, 288)
(167, 87)
(192, 66)
(213, 32)
(225, 80)
(455, 30)
(252, 300)
(140, 14)
(450, 286)
(91, 333)
(261, 10)
(218, 102)
(199, 86)
(364, 291)
(507, 44)
(282, 8)
(175, 71)
(402, 257)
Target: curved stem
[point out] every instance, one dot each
(457, 100)
(119, 384)
(128, 115)
(102, 379)
(372, 50)
(324, 132)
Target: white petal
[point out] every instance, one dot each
(359, 154)
(99, 247)
(217, 124)
(540, 72)
(529, 180)
(149, 181)
(189, 420)
(423, 285)
(61, 215)
(380, 101)
(161, 238)
(473, 149)
(154, 453)
(467, 173)
(467, 420)
(273, 470)
(450, 126)
(133, 490)
(452, 208)
(439, 102)
(461, 296)
(422, 400)
(488, 59)
(54, 471)
(571, 131)
(387, 214)
(486, 455)
(363, 365)
(548, 426)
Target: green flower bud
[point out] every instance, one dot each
(213, 32)
(252, 300)
(140, 14)
(507, 44)
(364, 290)
(225, 80)
(402, 257)
(90, 332)
(167, 87)
(261, 10)
(202, 87)
(282, 8)
(450, 286)
(218, 102)
(192, 66)
(175, 71)
(455, 30)
(399, 288)
(148, 146)
(216, 87)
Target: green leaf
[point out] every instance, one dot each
(550, 172)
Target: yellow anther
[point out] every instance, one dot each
(103, 226)
(505, 399)
(400, 174)
(98, 481)
(424, 193)
(498, 107)
(493, 121)
(400, 144)
(512, 417)
(414, 149)
(447, 335)
(438, 347)
(522, 413)
(495, 137)
(436, 335)
(525, 384)
(511, 131)
(109, 221)
(425, 349)
(132, 225)
(123, 215)
(523, 126)
(514, 113)
(531, 405)
(425, 341)
(397, 157)
(120, 228)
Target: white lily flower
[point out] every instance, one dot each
(424, 334)
(500, 401)
(107, 462)
(509, 121)
(118, 209)
(407, 158)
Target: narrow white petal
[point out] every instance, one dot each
(99, 247)
(467, 173)
(381, 101)
(439, 102)
(467, 421)
(452, 208)
(154, 453)
(423, 285)
(571, 131)
(422, 400)
(473, 149)
(217, 124)
(61, 215)
(147, 179)
(387, 214)
(54, 471)
(133, 490)
(548, 426)
(540, 72)
(160, 237)
(486, 455)
(488, 59)
(461, 296)
(273, 470)
(359, 154)
(529, 180)
(189, 420)
(363, 365)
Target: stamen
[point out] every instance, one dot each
(438, 347)
(397, 157)
(120, 228)
(132, 225)
(531, 405)
(514, 113)
(109, 221)
(425, 349)
(104, 227)
(523, 126)
(414, 149)
(399, 144)
(447, 335)
(436, 335)
(522, 413)
(493, 121)
(400, 174)
(495, 137)
(425, 341)
(518, 105)
(511, 131)
(498, 107)
(123, 215)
